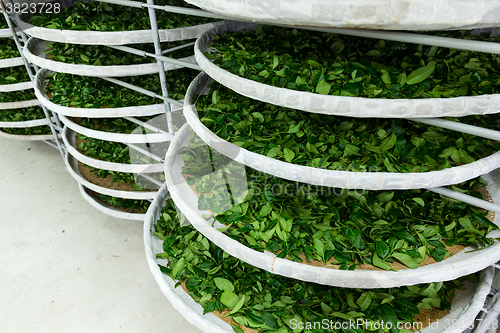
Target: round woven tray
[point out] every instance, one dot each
(72, 165)
(337, 105)
(465, 305)
(116, 137)
(34, 52)
(325, 177)
(366, 14)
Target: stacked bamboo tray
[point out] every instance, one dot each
(195, 134)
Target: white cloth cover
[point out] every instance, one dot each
(5, 33)
(116, 137)
(16, 86)
(43, 137)
(367, 14)
(19, 105)
(25, 124)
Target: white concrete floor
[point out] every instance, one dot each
(64, 266)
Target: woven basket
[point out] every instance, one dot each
(140, 111)
(72, 167)
(338, 105)
(34, 52)
(465, 305)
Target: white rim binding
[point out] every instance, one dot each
(69, 141)
(143, 110)
(110, 37)
(72, 167)
(34, 52)
(465, 306)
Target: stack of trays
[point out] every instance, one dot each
(302, 173)
(113, 132)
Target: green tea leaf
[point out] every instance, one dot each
(238, 306)
(405, 259)
(364, 301)
(85, 58)
(229, 299)
(319, 246)
(382, 249)
(385, 77)
(485, 222)
(385, 197)
(354, 237)
(406, 306)
(419, 201)
(466, 223)
(275, 61)
(439, 252)
(389, 316)
(273, 152)
(434, 136)
(224, 284)
(215, 97)
(314, 63)
(265, 210)
(258, 116)
(420, 74)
